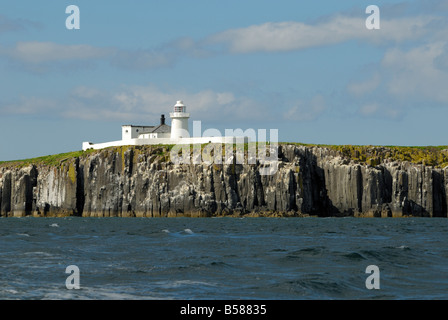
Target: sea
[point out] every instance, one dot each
(223, 258)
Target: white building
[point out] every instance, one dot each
(162, 133)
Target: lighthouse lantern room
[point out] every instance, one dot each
(179, 121)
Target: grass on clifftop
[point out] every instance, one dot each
(436, 156)
(54, 159)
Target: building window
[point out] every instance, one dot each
(126, 131)
(136, 130)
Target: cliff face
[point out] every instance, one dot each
(140, 181)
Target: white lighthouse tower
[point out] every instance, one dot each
(179, 121)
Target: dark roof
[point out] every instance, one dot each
(161, 128)
(133, 125)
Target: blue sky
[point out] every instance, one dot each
(310, 69)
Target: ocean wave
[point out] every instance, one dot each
(317, 285)
(311, 251)
(355, 256)
(400, 254)
(403, 247)
(279, 250)
(205, 265)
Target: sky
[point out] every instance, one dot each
(310, 69)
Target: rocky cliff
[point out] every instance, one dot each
(142, 182)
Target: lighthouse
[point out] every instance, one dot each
(179, 121)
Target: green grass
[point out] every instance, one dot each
(53, 160)
(370, 155)
(373, 155)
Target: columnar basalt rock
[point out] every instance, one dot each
(142, 182)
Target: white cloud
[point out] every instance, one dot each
(369, 109)
(405, 79)
(362, 88)
(35, 52)
(205, 104)
(287, 36)
(84, 92)
(40, 57)
(139, 104)
(225, 98)
(414, 73)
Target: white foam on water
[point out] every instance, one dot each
(95, 293)
(188, 231)
(40, 253)
(195, 282)
(11, 291)
(182, 283)
(55, 225)
(166, 230)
